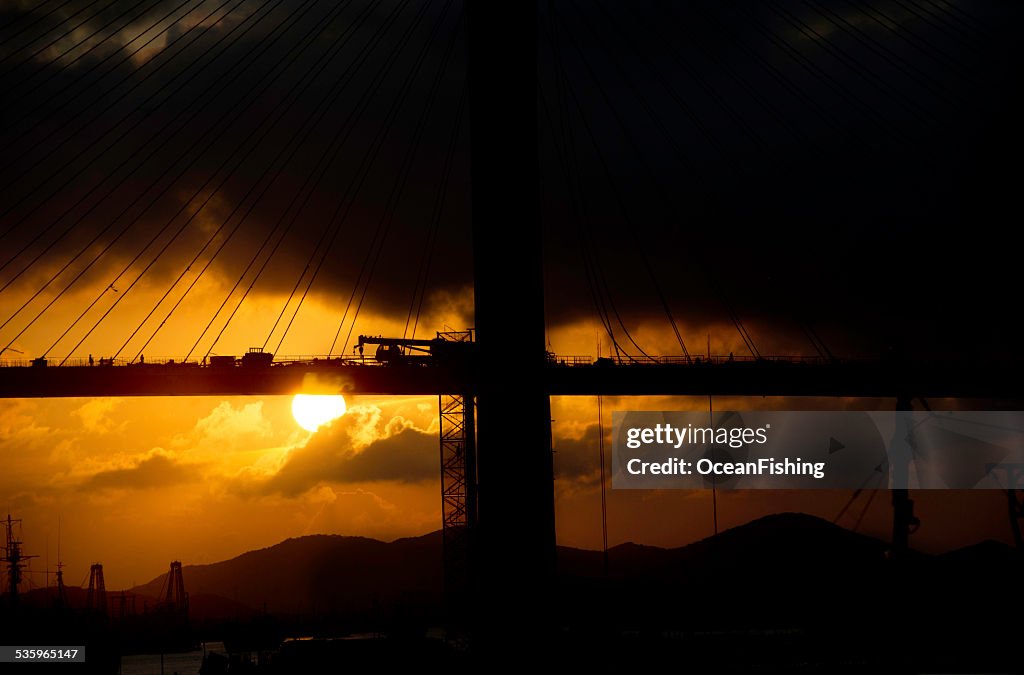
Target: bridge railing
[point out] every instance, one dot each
(326, 359)
(558, 360)
(568, 360)
(714, 359)
(106, 362)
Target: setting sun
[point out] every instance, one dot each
(312, 411)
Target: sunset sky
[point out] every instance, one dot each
(791, 165)
(138, 482)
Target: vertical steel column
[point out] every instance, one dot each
(904, 522)
(1015, 502)
(516, 532)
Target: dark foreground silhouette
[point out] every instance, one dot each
(787, 592)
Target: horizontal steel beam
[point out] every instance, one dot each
(770, 378)
(191, 380)
(780, 378)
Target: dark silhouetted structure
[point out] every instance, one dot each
(176, 599)
(96, 596)
(513, 410)
(14, 558)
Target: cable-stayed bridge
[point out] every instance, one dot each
(155, 146)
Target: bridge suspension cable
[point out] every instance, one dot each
(75, 45)
(31, 24)
(231, 115)
(437, 210)
(119, 124)
(60, 37)
(388, 215)
(638, 244)
(340, 138)
(84, 79)
(295, 143)
(596, 280)
(345, 204)
(217, 125)
(810, 46)
(246, 24)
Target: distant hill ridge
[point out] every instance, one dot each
(348, 574)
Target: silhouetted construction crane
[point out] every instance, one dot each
(456, 413)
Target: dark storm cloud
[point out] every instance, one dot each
(407, 455)
(320, 79)
(153, 472)
(795, 161)
(410, 456)
(799, 165)
(577, 459)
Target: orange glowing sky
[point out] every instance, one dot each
(138, 482)
(135, 483)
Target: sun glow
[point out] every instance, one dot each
(312, 411)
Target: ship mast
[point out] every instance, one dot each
(62, 599)
(13, 558)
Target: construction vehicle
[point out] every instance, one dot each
(441, 350)
(257, 357)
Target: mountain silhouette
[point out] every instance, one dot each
(783, 587)
(321, 574)
(778, 563)
(777, 540)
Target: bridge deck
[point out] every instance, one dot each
(740, 378)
